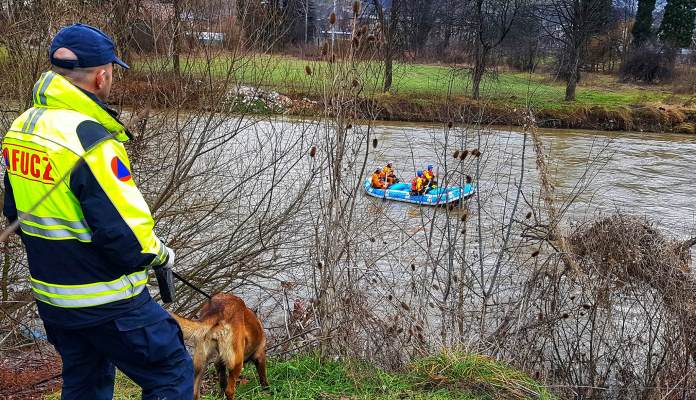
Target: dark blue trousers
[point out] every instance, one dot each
(151, 353)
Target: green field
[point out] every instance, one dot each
(463, 377)
(418, 81)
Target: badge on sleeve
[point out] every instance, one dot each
(120, 170)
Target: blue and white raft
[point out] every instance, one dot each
(434, 197)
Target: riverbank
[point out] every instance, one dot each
(464, 377)
(420, 93)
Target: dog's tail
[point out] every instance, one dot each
(194, 330)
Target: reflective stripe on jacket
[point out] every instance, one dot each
(90, 241)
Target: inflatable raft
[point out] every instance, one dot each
(434, 197)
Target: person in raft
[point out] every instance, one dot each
(418, 184)
(389, 174)
(429, 175)
(377, 179)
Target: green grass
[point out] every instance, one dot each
(286, 74)
(452, 376)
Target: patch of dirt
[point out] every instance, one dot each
(29, 375)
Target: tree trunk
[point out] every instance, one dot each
(573, 74)
(388, 28)
(121, 21)
(480, 57)
(388, 67)
(570, 87)
(175, 38)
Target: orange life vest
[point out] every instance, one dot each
(417, 184)
(377, 181)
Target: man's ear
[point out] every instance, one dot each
(100, 79)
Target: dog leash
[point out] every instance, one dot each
(191, 285)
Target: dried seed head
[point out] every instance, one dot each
(464, 216)
(308, 70)
(565, 315)
(363, 29)
(319, 265)
(349, 126)
(463, 231)
(450, 124)
(356, 8)
(535, 253)
(356, 41)
(529, 215)
(455, 278)
(325, 48)
(475, 153)
(582, 313)
(355, 83)
(313, 151)
(405, 306)
(413, 267)
(372, 239)
(586, 306)
(463, 154)
(374, 143)
(371, 38)
(332, 18)
(332, 59)
(456, 154)
(389, 297)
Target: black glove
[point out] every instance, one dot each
(165, 278)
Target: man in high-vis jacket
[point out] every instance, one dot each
(87, 230)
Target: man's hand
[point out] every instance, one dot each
(165, 277)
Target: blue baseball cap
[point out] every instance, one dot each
(91, 46)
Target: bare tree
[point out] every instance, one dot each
(492, 20)
(388, 24)
(573, 23)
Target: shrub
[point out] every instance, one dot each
(648, 64)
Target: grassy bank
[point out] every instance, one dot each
(438, 93)
(464, 377)
(287, 74)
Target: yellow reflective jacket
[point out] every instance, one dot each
(86, 227)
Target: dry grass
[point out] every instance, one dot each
(632, 251)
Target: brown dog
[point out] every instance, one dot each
(228, 329)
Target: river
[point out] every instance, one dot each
(637, 173)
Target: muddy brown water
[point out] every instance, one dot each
(603, 172)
